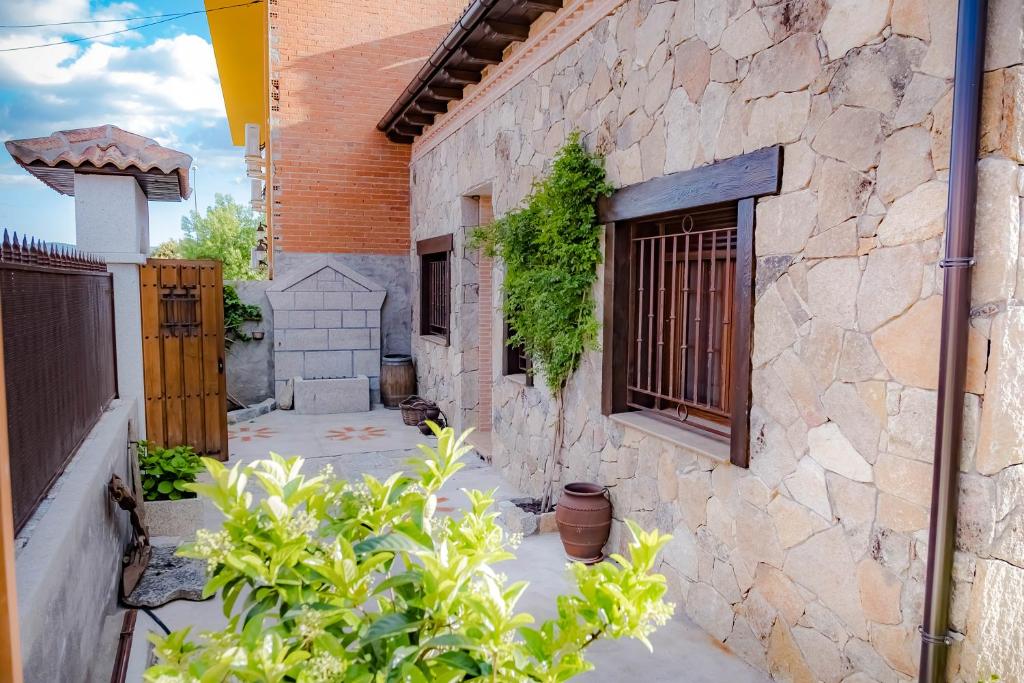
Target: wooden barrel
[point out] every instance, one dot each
(397, 379)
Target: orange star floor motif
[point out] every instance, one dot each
(361, 433)
(245, 434)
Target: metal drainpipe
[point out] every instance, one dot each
(956, 303)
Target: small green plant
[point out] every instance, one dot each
(236, 314)
(167, 472)
(551, 249)
(327, 581)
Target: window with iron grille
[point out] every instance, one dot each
(435, 286)
(682, 273)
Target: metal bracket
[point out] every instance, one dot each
(946, 639)
(957, 262)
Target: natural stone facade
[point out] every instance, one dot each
(809, 564)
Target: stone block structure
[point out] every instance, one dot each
(809, 564)
(327, 325)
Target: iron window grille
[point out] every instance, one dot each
(435, 286)
(682, 275)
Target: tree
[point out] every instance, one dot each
(227, 233)
(170, 249)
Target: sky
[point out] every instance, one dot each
(160, 82)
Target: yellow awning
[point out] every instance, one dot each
(240, 46)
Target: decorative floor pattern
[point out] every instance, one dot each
(246, 434)
(361, 433)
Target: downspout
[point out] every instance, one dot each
(956, 303)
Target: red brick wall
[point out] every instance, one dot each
(485, 316)
(336, 68)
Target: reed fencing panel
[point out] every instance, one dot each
(59, 358)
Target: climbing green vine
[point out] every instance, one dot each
(551, 249)
(236, 313)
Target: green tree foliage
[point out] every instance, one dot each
(551, 249)
(227, 233)
(170, 249)
(327, 581)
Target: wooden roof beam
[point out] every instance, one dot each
(542, 5)
(463, 76)
(418, 118)
(442, 93)
(431, 106)
(478, 54)
(509, 31)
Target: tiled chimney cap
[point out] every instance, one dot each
(162, 173)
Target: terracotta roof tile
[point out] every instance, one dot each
(162, 173)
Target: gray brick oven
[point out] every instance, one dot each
(326, 324)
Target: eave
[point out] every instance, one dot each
(477, 40)
(239, 36)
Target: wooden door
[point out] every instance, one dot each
(183, 355)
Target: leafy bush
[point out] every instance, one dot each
(167, 472)
(324, 580)
(237, 313)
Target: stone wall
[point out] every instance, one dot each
(250, 364)
(810, 564)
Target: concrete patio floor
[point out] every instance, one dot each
(379, 443)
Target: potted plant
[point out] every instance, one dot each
(171, 508)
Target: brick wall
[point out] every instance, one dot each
(336, 68)
(485, 321)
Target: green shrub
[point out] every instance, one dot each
(167, 472)
(323, 580)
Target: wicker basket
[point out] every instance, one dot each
(414, 411)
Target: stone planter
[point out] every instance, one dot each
(180, 518)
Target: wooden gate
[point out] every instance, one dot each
(183, 355)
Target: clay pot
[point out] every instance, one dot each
(584, 518)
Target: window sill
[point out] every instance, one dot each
(679, 436)
(518, 378)
(435, 339)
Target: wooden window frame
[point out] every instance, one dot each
(740, 180)
(429, 250)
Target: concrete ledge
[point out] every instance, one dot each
(68, 564)
(328, 396)
(178, 518)
(253, 411)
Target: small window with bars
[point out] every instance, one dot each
(682, 276)
(435, 286)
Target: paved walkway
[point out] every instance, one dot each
(379, 443)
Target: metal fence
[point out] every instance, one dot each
(59, 359)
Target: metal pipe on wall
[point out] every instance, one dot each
(956, 303)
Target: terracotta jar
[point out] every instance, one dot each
(584, 517)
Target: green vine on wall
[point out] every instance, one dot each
(551, 249)
(236, 313)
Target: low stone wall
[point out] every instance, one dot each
(250, 365)
(68, 561)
